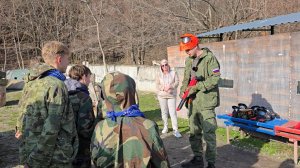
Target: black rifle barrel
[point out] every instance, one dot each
(180, 104)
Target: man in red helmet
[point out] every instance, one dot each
(203, 99)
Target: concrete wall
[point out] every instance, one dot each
(265, 71)
(143, 75)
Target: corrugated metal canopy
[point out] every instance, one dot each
(282, 19)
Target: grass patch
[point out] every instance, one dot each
(269, 147)
(9, 113)
(221, 134)
(264, 146)
(150, 106)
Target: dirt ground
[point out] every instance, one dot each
(228, 156)
(178, 151)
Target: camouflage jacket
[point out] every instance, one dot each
(207, 67)
(129, 142)
(49, 136)
(84, 117)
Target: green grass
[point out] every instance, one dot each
(268, 147)
(149, 105)
(221, 134)
(8, 113)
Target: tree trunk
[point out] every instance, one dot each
(5, 54)
(132, 54)
(139, 59)
(98, 36)
(21, 57)
(143, 53)
(16, 50)
(18, 45)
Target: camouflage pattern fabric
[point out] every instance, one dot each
(98, 108)
(84, 118)
(128, 141)
(202, 115)
(49, 137)
(118, 91)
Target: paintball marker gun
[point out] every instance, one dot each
(184, 98)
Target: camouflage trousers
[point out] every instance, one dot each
(82, 163)
(203, 125)
(52, 166)
(83, 157)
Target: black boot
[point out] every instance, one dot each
(196, 162)
(211, 165)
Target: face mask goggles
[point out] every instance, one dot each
(185, 40)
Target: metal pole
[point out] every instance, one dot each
(272, 30)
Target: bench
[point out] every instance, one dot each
(275, 127)
(291, 131)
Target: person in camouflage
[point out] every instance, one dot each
(203, 99)
(125, 138)
(46, 127)
(82, 105)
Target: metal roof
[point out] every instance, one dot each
(282, 19)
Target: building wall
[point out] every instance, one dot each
(264, 70)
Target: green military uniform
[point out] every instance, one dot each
(84, 118)
(126, 141)
(205, 97)
(49, 137)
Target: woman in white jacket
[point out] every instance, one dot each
(166, 84)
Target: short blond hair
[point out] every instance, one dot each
(53, 48)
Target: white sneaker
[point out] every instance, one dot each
(165, 130)
(177, 134)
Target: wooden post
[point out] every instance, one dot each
(295, 152)
(227, 135)
(242, 134)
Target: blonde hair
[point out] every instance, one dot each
(53, 48)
